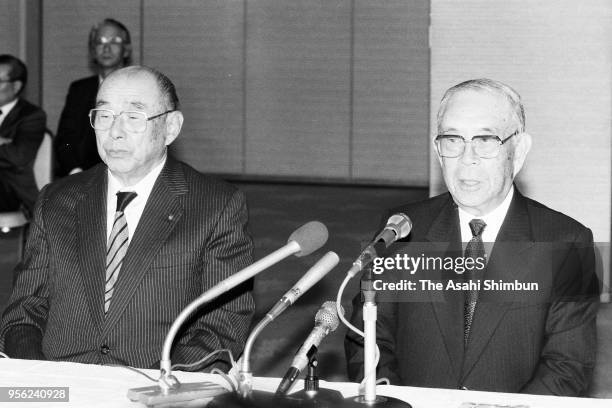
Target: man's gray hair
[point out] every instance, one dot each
(488, 85)
(166, 87)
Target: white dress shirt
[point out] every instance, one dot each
(134, 210)
(6, 109)
(494, 221)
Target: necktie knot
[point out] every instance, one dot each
(124, 198)
(477, 226)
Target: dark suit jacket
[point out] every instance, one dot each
(540, 342)
(192, 234)
(75, 141)
(25, 126)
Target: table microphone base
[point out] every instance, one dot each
(380, 402)
(262, 399)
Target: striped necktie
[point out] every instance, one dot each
(474, 249)
(117, 246)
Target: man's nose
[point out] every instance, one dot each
(469, 155)
(116, 130)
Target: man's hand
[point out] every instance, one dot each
(4, 140)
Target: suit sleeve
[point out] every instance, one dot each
(224, 323)
(28, 133)
(568, 355)
(68, 138)
(24, 319)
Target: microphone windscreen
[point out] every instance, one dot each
(310, 237)
(327, 316)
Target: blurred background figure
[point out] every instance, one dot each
(75, 143)
(22, 128)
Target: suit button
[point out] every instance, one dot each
(104, 349)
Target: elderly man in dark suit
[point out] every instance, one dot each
(485, 337)
(110, 48)
(22, 128)
(116, 252)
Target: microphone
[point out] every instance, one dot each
(309, 237)
(312, 276)
(303, 241)
(398, 226)
(326, 321)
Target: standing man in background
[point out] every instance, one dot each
(116, 252)
(110, 48)
(22, 128)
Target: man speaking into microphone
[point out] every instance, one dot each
(116, 252)
(540, 342)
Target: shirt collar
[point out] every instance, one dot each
(6, 108)
(142, 188)
(494, 220)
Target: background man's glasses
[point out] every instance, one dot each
(102, 41)
(485, 146)
(133, 121)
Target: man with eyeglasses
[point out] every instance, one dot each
(22, 128)
(475, 326)
(110, 48)
(116, 252)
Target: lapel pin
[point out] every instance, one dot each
(170, 217)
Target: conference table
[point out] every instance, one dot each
(107, 386)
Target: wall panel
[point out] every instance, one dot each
(66, 26)
(200, 46)
(298, 88)
(391, 91)
(10, 28)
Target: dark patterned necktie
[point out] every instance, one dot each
(117, 246)
(474, 249)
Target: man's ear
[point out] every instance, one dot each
(521, 148)
(17, 87)
(127, 50)
(174, 123)
(435, 151)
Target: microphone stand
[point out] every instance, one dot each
(312, 395)
(370, 310)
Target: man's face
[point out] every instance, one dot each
(110, 48)
(131, 155)
(8, 89)
(479, 185)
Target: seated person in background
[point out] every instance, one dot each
(110, 48)
(117, 251)
(22, 128)
(540, 342)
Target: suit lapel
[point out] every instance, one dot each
(508, 261)
(12, 116)
(91, 230)
(162, 212)
(449, 310)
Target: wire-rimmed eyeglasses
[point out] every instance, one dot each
(133, 121)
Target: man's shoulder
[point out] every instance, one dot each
(201, 185)
(426, 208)
(27, 108)
(76, 185)
(88, 84)
(548, 223)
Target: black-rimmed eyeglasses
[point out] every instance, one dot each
(485, 146)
